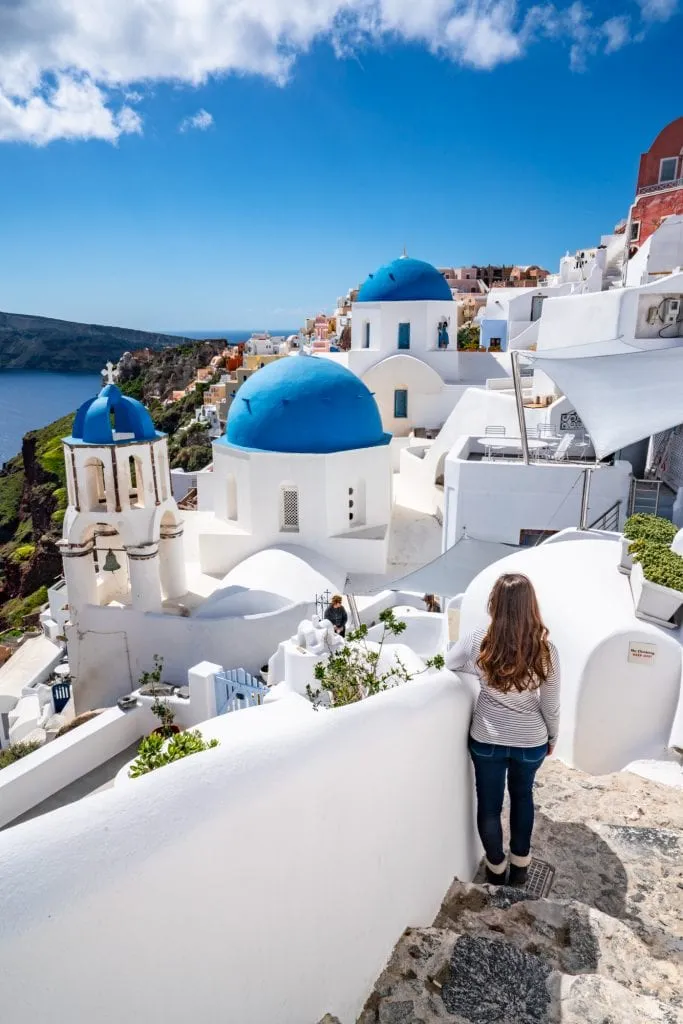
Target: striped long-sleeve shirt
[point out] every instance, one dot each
(514, 719)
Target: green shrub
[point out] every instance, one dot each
(351, 673)
(58, 516)
(11, 490)
(660, 564)
(651, 528)
(15, 752)
(469, 338)
(51, 458)
(22, 554)
(14, 610)
(61, 497)
(155, 751)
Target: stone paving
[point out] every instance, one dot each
(605, 947)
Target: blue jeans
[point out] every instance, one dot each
(491, 764)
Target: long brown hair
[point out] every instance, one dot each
(515, 653)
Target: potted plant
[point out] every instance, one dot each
(642, 526)
(656, 580)
(166, 715)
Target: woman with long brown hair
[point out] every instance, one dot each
(515, 720)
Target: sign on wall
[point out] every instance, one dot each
(641, 654)
(571, 421)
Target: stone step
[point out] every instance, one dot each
(494, 957)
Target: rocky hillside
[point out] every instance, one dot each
(33, 484)
(40, 343)
(605, 946)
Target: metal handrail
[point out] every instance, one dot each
(660, 186)
(603, 522)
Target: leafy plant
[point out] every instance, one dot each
(152, 678)
(468, 338)
(164, 712)
(155, 751)
(660, 564)
(15, 752)
(351, 672)
(642, 526)
(166, 715)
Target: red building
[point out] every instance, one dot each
(659, 191)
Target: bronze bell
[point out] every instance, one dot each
(110, 562)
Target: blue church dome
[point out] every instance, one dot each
(93, 422)
(405, 280)
(307, 405)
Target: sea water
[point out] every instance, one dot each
(29, 400)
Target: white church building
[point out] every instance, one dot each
(298, 496)
(404, 347)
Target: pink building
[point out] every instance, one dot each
(461, 279)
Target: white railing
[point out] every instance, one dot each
(660, 186)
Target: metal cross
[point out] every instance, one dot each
(109, 375)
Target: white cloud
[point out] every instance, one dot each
(657, 10)
(72, 108)
(77, 68)
(617, 33)
(201, 120)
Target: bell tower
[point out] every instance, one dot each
(123, 537)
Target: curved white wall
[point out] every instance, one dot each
(403, 371)
(263, 882)
(613, 710)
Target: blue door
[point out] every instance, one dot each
(400, 403)
(404, 335)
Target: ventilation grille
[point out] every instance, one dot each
(290, 509)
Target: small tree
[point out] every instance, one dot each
(352, 672)
(161, 708)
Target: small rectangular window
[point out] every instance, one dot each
(401, 403)
(530, 538)
(667, 168)
(635, 230)
(290, 508)
(366, 334)
(404, 335)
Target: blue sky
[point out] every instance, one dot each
(247, 182)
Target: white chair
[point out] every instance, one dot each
(563, 447)
(494, 431)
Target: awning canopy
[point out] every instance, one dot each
(453, 571)
(622, 392)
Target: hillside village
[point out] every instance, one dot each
(170, 555)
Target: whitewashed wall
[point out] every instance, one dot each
(495, 500)
(613, 710)
(323, 483)
(114, 646)
(39, 775)
(266, 880)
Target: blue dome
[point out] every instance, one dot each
(304, 404)
(405, 280)
(93, 422)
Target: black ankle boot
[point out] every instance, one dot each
(496, 878)
(518, 876)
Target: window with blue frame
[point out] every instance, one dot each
(366, 336)
(400, 403)
(404, 335)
